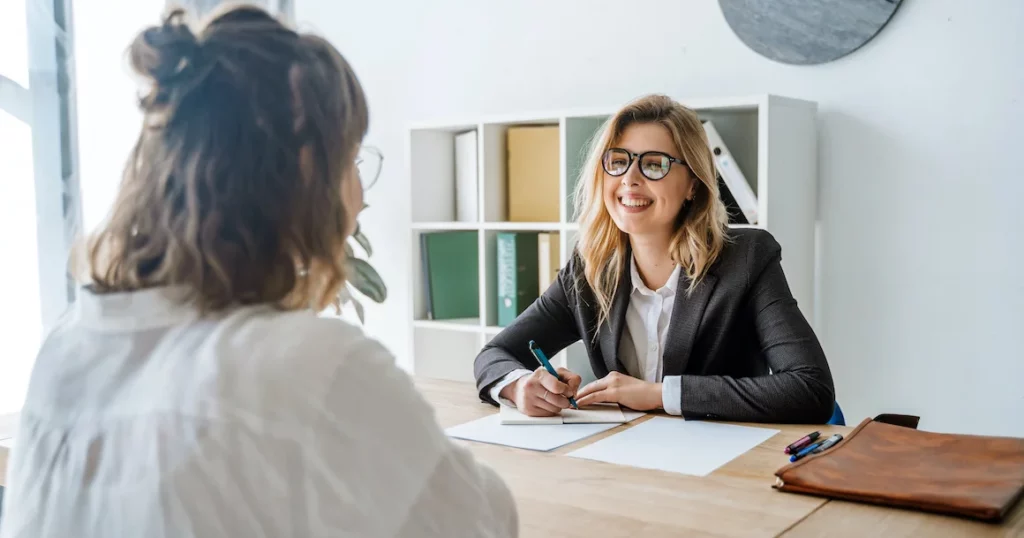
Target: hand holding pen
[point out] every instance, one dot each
(543, 359)
(546, 391)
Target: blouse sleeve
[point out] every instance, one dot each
(387, 462)
(462, 498)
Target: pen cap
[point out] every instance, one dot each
(541, 357)
(828, 443)
(795, 446)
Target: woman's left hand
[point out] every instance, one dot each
(621, 389)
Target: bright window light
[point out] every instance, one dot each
(14, 42)
(22, 320)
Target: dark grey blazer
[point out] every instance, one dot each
(744, 350)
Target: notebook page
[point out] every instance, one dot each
(591, 414)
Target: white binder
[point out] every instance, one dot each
(734, 179)
(466, 206)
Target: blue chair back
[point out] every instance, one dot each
(837, 416)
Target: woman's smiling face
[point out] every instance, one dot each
(641, 206)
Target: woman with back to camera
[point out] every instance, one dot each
(677, 311)
(192, 390)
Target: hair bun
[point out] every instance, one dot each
(163, 52)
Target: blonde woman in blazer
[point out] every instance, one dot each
(676, 310)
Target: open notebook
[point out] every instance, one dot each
(591, 414)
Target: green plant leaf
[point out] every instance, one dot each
(367, 281)
(364, 243)
(349, 252)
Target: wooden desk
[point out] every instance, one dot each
(562, 496)
(849, 520)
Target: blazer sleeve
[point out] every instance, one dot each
(799, 389)
(549, 321)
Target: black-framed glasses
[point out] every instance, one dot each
(654, 165)
(369, 161)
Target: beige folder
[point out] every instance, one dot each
(533, 173)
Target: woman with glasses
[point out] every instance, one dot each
(192, 390)
(677, 311)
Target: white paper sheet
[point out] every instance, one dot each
(675, 445)
(543, 437)
(603, 413)
(7, 443)
(632, 415)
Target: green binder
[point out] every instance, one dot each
(518, 285)
(451, 272)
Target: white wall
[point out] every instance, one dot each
(922, 301)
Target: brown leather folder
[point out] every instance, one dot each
(966, 475)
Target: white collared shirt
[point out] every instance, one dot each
(143, 419)
(642, 346)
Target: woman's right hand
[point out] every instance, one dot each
(541, 394)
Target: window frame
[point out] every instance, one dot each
(48, 106)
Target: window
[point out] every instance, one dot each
(38, 188)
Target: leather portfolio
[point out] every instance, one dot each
(966, 475)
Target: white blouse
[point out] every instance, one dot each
(143, 419)
(642, 347)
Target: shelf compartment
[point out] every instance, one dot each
(434, 163)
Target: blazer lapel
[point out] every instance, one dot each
(611, 331)
(687, 313)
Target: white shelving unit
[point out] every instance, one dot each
(773, 140)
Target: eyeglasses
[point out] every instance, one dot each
(654, 165)
(369, 161)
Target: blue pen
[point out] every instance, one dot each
(547, 366)
(804, 451)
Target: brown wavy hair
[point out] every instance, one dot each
(701, 227)
(233, 190)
